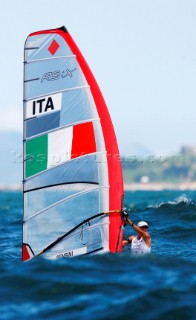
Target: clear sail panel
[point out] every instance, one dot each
(45, 228)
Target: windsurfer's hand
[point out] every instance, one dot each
(125, 214)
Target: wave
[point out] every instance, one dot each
(182, 209)
(170, 212)
(180, 200)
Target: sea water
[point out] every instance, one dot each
(111, 286)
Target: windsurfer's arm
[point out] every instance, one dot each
(127, 241)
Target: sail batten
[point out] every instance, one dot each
(71, 161)
(51, 58)
(63, 184)
(31, 48)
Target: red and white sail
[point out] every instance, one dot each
(72, 168)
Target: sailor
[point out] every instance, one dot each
(141, 243)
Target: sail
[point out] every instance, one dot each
(72, 175)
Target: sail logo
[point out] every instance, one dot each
(51, 76)
(72, 253)
(55, 75)
(43, 105)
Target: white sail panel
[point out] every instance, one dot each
(45, 46)
(43, 199)
(40, 233)
(79, 170)
(75, 108)
(81, 241)
(50, 76)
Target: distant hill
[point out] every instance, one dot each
(178, 168)
(134, 149)
(10, 158)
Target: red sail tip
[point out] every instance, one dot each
(26, 252)
(58, 30)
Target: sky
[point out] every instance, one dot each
(141, 52)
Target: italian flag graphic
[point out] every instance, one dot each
(54, 148)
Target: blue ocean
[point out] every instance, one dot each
(161, 285)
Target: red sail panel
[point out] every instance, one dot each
(83, 140)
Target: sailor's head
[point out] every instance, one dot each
(143, 225)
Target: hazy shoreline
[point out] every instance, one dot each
(160, 186)
(131, 187)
